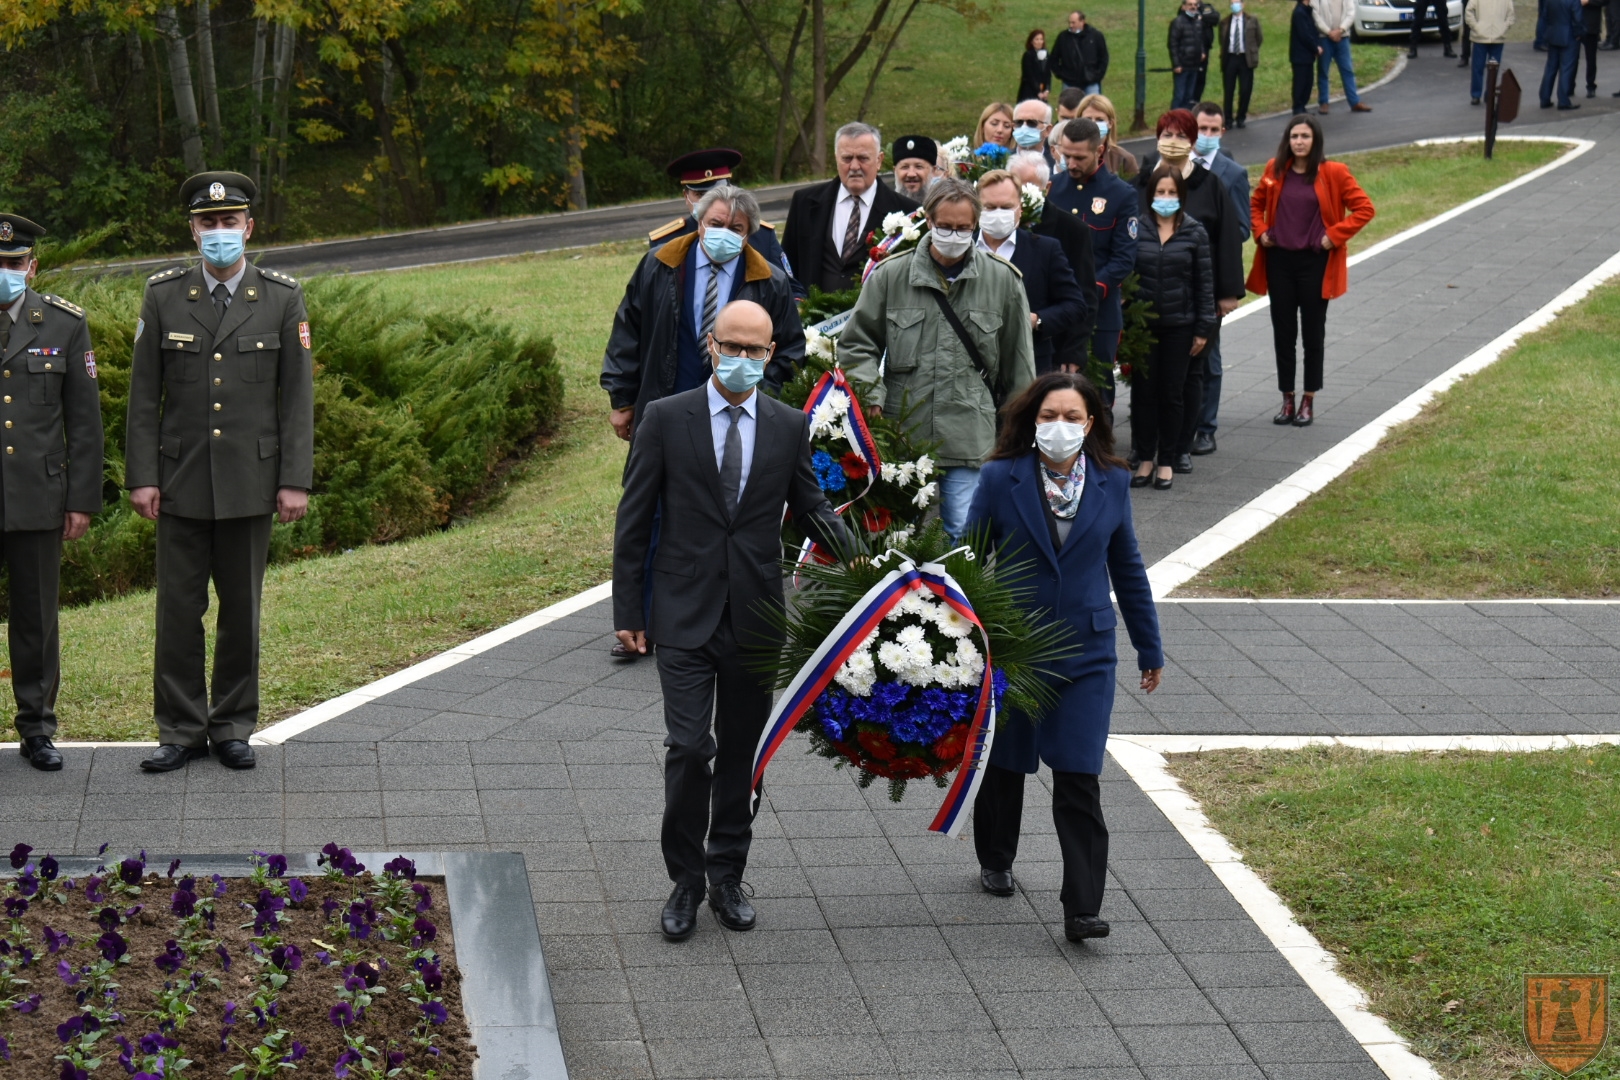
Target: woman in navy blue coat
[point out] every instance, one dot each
(1067, 511)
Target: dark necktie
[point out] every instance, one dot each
(711, 303)
(852, 231)
(731, 461)
(5, 331)
(222, 300)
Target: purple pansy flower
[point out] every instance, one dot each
(297, 1053)
(287, 957)
(55, 942)
(92, 889)
(65, 972)
(224, 956)
(424, 898)
(425, 930)
(71, 1071)
(49, 868)
(345, 1059)
(109, 919)
(5, 1049)
(27, 883)
(68, 1030)
(434, 1011)
(130, 871)
(219, 885)
(342, 1015)
(16, 906)
(400, 866)
(19, 855)
(156, 1043)
(297, 891)
(28, 1004)
(173, 866)
(184, 904)
(171, 958)
(432, 977)
(112, 945)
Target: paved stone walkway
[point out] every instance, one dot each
(877, 955)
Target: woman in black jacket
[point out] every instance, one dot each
(1177, 276)
(1036, 80)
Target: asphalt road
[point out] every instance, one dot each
(1429, 99)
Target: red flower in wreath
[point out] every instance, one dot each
(1125, 371)
(907, 768)
(854, 465)
(949, 747)
(877, 744)
(876, 519)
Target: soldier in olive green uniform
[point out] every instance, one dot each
(221, 442)
(51, 409)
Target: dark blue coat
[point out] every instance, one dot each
(1560, 23)
(1100, 552)
(1107, 204)
(1053, 292)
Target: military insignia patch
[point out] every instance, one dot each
(6, 232)
(90, 364)
(303, 334)
(1098, 205)
(216, 191)
(44, 352)
(1130, 227)
(1566, 1019)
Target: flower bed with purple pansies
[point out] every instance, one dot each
(150, 972)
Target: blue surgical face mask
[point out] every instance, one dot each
(1166, 207)
(723, 245)
(222, 247)
(1027, 137)
(1236, 7)
(12, 285)
(1102, 128)
(1206, 145)
(738, 373)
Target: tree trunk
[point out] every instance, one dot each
(282, 90)
(210, 87)
(574, 156)
(256, 140)
(818, 79)
(370, 80)
(883, 58)
(185, 99)
(88, 45)
(788, 105)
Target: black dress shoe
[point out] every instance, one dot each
(169, 757)
(1081, 927)
(680, 913)
(236, 754)
(1591, 91)
(1183, 464)
(621, 651)
(1411, 54)
(41, 753)
(1449, 54)
(1566, 108)
(997, 882)
(1203, 443)
(1241, 123)
(1141, 481)
(729, 899)
(1163, 483)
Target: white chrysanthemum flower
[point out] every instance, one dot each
(910, 234)
(925, 495)
(1033, 200)
(924, 467)
(958, 149)
(838, 401)
(823, 421)
(893, 223)
(819, 345)
(969, 657)
(900, 537)
(858, 673)
(951, 623)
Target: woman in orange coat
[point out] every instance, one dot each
(1304, 210)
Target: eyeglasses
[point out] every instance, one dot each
(733, 351)
(1027, 123)
(953, 234)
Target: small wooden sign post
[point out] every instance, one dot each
(1501, 102)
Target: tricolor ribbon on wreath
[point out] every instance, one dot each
(827, 389)
(851, 633)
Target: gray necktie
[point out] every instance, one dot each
(711, 302)
(852, 231)
(5, 331)
(731, 461)
(222, 300)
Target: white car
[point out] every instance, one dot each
(1386, 18)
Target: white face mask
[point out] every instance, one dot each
(1060, 440)
(998, 224)
(951, 243)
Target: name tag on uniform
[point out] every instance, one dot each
(181, 337)
(44, 352)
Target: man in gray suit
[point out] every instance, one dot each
(723, 459)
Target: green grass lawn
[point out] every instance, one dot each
(335, 623)
(943, 72)
(1436, 879)
(1504, 487)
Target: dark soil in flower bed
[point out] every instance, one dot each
(130, 971)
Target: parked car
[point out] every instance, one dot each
(1387, 18)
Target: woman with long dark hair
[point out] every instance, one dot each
(1175, 270)
(1304, 211)
(1035, 80)
(1054, 496)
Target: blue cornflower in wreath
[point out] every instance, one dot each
(829, 473)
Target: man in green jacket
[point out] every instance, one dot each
(952, 390)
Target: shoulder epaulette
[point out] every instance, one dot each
(277, 276)
(72, 309)
(165, 275)
(664, 230)
(767, 225)
(1004, 261)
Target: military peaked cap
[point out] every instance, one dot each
(213, 192)
(18, 235)
(702, 169)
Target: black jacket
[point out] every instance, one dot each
(1035, 76)
(1303, 38)
(1210, 204)
(1075, 239)
(1080, 59)
(809, 224)
(1185, 41)
(639, 365)
(1176, 277)
(1052, 290)
(707, 557)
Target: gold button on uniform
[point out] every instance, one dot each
(260, 344)
(8, 423)
(217, 406)
(8, 373)
(9, 450)
(47, 367)
(216, 383)
(8, 399)
(218, 357)
(216, 433)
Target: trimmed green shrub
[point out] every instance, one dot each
(414, 411)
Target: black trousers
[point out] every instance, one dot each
(1082, 834)
(34, 569)
(1200, 80)
(700, 685)
(1158, 402)
(1420, 10)
(1294, 281)
(1192, 394)
(1589, 43)
(1304, 80)
(1236, 72)
(190, 552)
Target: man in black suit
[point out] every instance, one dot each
(1068, 350)
(827, 225)
(722, 460)
(1056, 304)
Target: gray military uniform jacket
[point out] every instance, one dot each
(50, 404)
(221, 413)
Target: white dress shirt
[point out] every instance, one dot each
(720, 421)
(700, 285)
(840, 218)
(1007, 245)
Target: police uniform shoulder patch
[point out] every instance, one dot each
(1130, 227)
(72, 309)
(278, 276)
(665, 229)
(165, 275)
(1004, 261)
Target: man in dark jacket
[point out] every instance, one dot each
(1240, 54)
(1303, 49)
(1057, 305)
(1080, 57)
(1211, 20)
(1560, 26)
(700, 172)
(1187, 54)
(1068, 350)
(828, 224)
